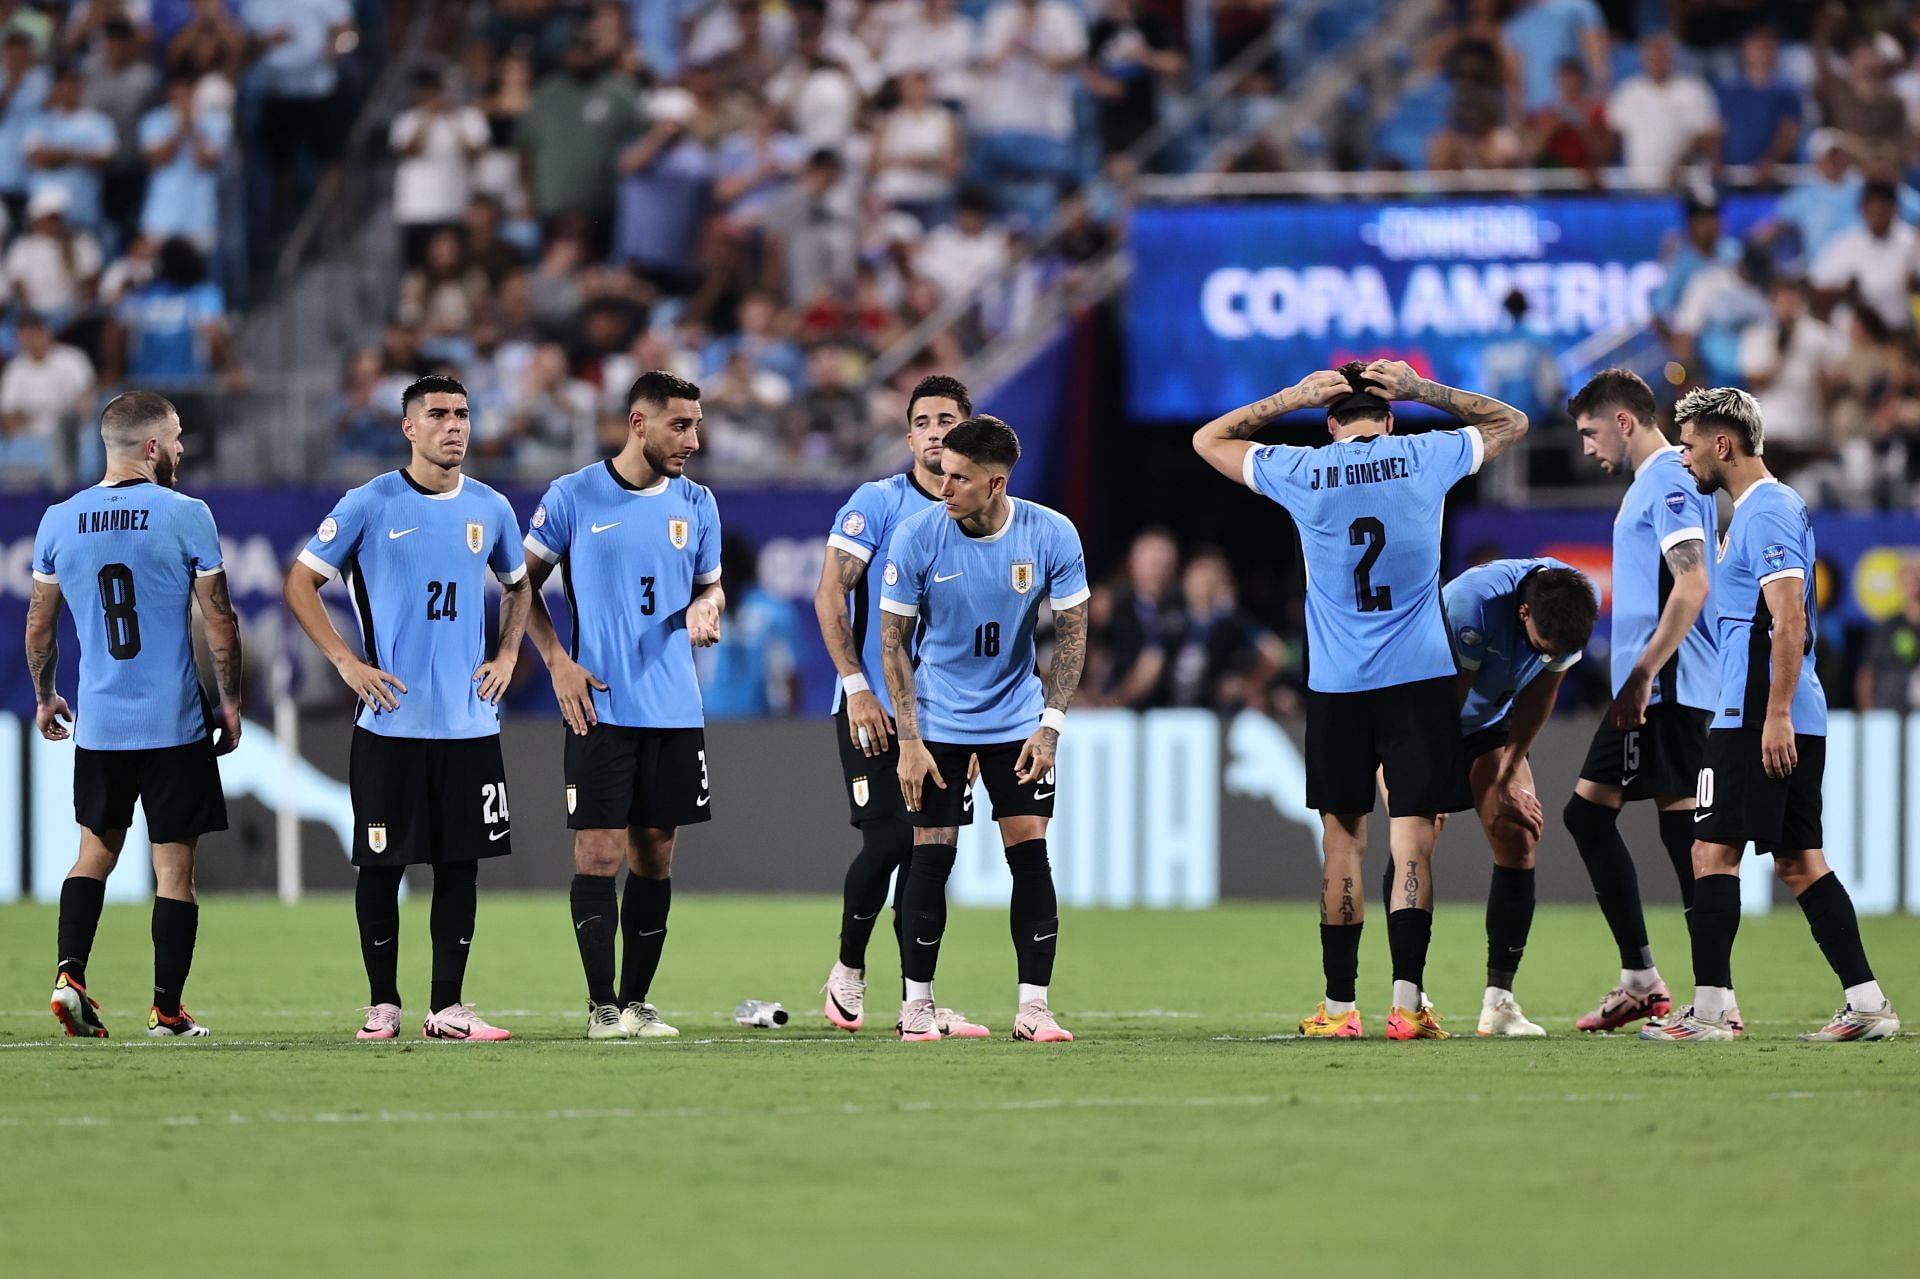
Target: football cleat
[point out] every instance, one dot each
(918, 1022)
(955, 1025)
(1851, 1024)
(604, 1021)
(641, 1020)
(78, 1012)
(1423, 1024)
(179, 1026)
(1505, 1020)
(383, 1022)
(846, 1005)
(1737, 1026)
(1623, 1005)
(1686, 1026)
(1035, 1025)
(458, 1022)
(1325, 1025)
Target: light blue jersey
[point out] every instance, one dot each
(416, 563)
(863, 529)
(1369, 511)
(1663, 508)
(1483, 614)
(125, 557)
(630, 560)
(1769, 539)
(978, 599)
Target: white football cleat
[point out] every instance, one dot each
(604, 1022)
(1503, 1019)
(846, 990)
(642, 1021)
(1851, 1024)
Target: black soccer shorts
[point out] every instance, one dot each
(873, 781)
(1736, 802)
(178, 787)
(1661, 758)
(422, 801)
(1011, 796)
(1411, 731)
(619, 777)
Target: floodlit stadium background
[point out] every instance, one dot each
(1142, 215)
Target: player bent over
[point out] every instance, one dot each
(1518, 625)
(429, 785)
(638, 547)
(1766, 753)
(135, 554)
(973, 573)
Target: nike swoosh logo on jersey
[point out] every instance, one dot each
(601, 528)
(949, 577)
(494, 835)
(394, 535)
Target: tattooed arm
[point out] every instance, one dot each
(1063, 680)
(916, 762)
(43, 661)
(1224, 441)
(1500, 425)
(1687, 562)
(840, 572)
(223, 641)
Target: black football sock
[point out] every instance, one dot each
(455, 907)
(885, 843)
(925, 917)
(1034, 912)
(1830, 914)
(1340, 959)
(1409, 933)
(1596, 833)
(376, 905)
(900, 911)
(1714, 924)
(175, 925)
(643, 925)
(80, 902)
(1676, 832)
(596, 919)
(1509, 921)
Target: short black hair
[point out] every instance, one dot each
(1615, 388)
(985, 439)
(1880, 189)
(1364, 403)
(131, 415)
(430, 384)
(1563, 606)
(181, 262)
(658, 386)
(940, 386)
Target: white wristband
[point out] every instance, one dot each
(1053, 717)
(854, 684)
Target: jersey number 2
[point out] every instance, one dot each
(1372, 534)
(117, 606)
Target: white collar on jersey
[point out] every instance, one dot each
(1013, 504)
(1647, 461)
(1759, 483)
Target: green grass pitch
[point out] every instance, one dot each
(1185, 1132)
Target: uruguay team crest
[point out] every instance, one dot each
(475, 535)
(573, 797)
(377, 836)
(861, 792)
(677, 534)
(1023, 576)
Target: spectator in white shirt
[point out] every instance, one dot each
(1783, 363)
(1023, 97)
(52, 268)
(938, 40)
(918, 153)
(818, 94)
(1664, 118)
(1873, 264)
(45, 387)
(966, 253)
(437, 143)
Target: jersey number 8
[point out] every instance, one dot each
(117, 607)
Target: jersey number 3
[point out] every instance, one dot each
(1369, 532)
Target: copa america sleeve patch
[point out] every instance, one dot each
(854, 525)
(540, 515)
(891, 574)
(329, 529)
(1676, 502)
(1775, 555)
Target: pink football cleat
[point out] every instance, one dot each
(383, 1022)
(1035, 1025)
(459, 1022)
(846, 1005)
(1624, 1005)
(917, 1024)
(956, 1026)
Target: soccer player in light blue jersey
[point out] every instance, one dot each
(1650, 741)
(129, 556)
(847, 603)
(1517, 625)
(637, 544)
(1766, 752)
(429, 786)
(969, 576)
(1380, 671)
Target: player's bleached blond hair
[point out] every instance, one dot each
(1725, 406)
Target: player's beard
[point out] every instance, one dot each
(659, 462)
(165, 470)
